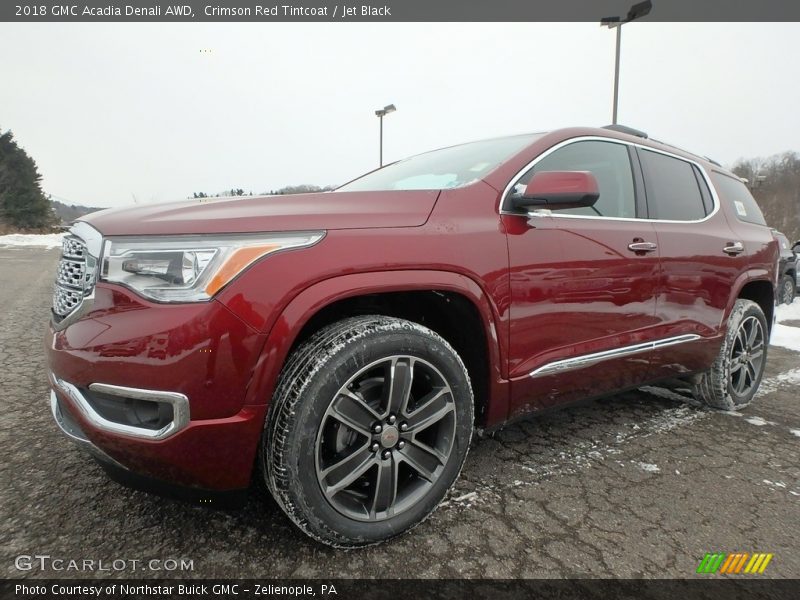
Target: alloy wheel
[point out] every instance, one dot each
(788, 291)
(747, 356)
(385, 438)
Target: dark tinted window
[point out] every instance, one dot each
(735, 193)
(672, 189)
(708, 202)
(611, 166)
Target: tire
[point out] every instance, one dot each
(733, 379)
(337, 479)
(786, 290)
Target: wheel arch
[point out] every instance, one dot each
(451, 304)
(761, 291)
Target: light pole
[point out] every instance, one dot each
(636, 11)
(380, 113)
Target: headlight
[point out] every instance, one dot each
(189, 268)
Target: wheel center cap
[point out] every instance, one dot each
(389, 436)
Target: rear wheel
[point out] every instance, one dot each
(370, 424)
(733, 379)
(787, 289)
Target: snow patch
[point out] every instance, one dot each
(788, 312)
(790, 377)
(758, 421)
(731, 413)
(795, 432)
(32, 240)
(785, 337)
(649, 467)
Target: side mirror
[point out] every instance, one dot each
(558, 189)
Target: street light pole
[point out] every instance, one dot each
(380, 113)
(616, 76)
(636, 11)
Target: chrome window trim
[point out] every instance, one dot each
(179, 402)
(597, 138)
(579, 362)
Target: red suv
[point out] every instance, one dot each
(341, 347)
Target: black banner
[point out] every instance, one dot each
(391, 10)
(749, 587)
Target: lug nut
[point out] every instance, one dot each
(375, 447)
(401, 444)
(392, 419)
(403, 426)
(377, 429)
(386, 454)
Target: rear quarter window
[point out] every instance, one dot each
(735, 193)
(673, 191)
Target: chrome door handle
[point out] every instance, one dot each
(734, 248)
(642, 247)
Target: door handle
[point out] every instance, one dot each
(642, 247)
(733, 248)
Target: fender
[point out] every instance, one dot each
(748, 276)
(316, 297)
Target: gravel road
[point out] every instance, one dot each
(642, 484)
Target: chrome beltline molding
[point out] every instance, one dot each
(586, 360)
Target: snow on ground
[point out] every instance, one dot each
(37, 240)
(784, 335)
(789, 312)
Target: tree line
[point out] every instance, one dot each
(289, 189)
(23, 204)
(775, 184)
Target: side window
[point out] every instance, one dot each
(735, 193)
(673, 192)
(611, 166)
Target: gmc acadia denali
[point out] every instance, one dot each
(341, 347)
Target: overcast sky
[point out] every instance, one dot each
(113, 112)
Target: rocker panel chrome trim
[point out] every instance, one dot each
(586, 360)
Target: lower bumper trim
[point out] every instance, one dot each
(74, 433)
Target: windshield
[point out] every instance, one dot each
(443, 169)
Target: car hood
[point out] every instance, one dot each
(251, 214)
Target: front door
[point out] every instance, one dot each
(583, 284)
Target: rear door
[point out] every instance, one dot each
(583, 283)
(701, 258)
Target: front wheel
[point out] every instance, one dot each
(733, 379)
(369, 427)
(786, 289)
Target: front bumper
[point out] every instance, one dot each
(204, 359)
(210, 455)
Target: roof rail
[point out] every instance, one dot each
(712, 161)
(628, 130)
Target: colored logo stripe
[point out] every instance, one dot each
(711, 562)
(733, 563)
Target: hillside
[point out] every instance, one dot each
(66, 213)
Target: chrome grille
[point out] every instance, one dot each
(71, 273)
(73, 277)
(73, 248)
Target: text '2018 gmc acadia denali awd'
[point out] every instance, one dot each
(341, 347)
